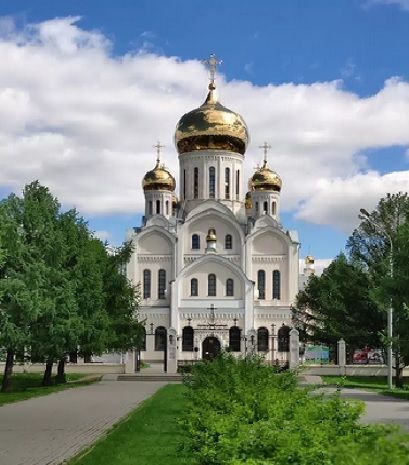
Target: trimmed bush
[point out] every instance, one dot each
(244, 412)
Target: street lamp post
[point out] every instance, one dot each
(389, 329)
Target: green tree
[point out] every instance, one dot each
(338, 305)
(22, 276)
(122, 301)
(370, 246)
(56, 327)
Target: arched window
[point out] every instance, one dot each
(228, 242)
(161, 284)
(261, 284)
(167, 207)
(212, 182)
(211, 285)
(158, 207)
(195, 183)
(265, 207)
(142, 345)
(146, 284)
(276, 285)
(283, 337)
(257, 207)
(193, 287)
(235, 339)
(150, 210)
(184, 184)
(237, 184)
(160, 338)
(187, 339)
(262, 339)
(229, 287)
(274, 207)
(195, 241)
(227, 183)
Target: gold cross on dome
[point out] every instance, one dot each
(158, 147)
(265, 147)
(212, 63)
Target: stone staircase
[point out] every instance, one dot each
(151, 377)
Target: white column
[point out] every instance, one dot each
(172, 361)
(341, 356)
(294, 348)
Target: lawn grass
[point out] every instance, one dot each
(372, 383)
(27, 385)
(149, 436)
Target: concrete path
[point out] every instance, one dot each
(379, 408)
(48, 430)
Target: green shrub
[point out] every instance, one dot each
(244, 412)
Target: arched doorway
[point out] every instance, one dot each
(210, 348)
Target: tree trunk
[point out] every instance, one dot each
(74, 356)
(47, 380)
(399, 376)
(8, 371)
(61, 378)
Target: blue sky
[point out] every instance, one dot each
(358, 43)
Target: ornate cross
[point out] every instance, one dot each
(158, 147)
(212, 309)
(212, 63)
(265, 148)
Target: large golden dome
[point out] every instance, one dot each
(265, 179)
(158, 179)
(211, 126)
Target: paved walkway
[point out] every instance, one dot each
(48, 430)
(379, 408)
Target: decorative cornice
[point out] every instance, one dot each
(191, 258)
(154, 258)
(269, 258)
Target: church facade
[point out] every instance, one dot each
(215, 267)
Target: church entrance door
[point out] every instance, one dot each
(210, 348)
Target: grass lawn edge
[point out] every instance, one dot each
(21, 396)
(119, 429)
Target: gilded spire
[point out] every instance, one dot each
(158, 147)
(265, 148)
(211, 64)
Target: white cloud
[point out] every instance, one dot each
(337, 201)
(102, 235)
(83, 122)
(403, 4)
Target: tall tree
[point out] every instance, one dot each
(22, 276)
(370, 246)
(338, 305)
(56, 324)
(122, 300)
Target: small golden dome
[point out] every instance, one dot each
(211, 126)
(309, 260)
(265, 179)
(175, 200)
(211, 235)
(158, 179)
(248, 203)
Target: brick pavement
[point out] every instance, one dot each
(48, 430)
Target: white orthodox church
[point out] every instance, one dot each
(215, 267)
